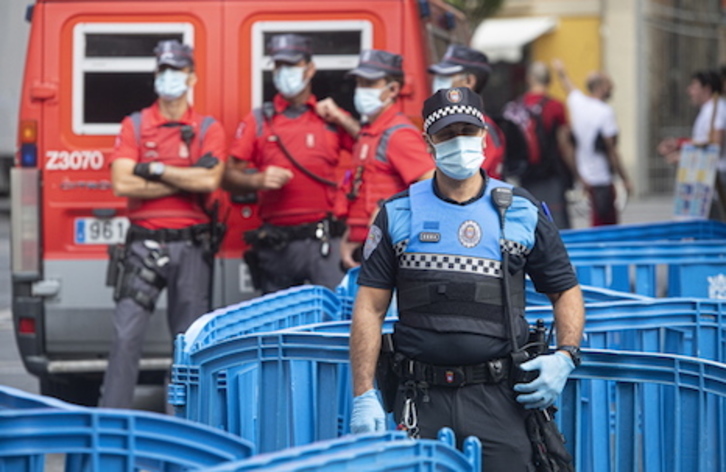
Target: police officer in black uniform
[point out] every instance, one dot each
(441, 245)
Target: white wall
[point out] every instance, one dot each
(623, 60)
(13, 44)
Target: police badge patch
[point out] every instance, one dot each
(374, 238)
(469, 233)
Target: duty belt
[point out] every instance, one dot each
(311, 230)
(190, 233)
(490, 372)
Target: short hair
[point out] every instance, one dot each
(595, 80)
(539, 73)
(710, 79)
(481, 76)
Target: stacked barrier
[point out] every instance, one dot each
(377, 451)
(677, 259)
(100, 440)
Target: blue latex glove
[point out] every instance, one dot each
(368, 415)
(543, 391)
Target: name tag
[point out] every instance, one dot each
(429, 237)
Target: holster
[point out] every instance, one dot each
(116, 258)
(252, 259)
(536, 345)
(548, 443)
(267, 236)
(386, 378)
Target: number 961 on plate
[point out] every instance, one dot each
(100, 230)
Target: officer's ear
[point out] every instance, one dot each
(429, 145)
(309, 71)
(192, 80)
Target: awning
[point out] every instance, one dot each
(502, 39)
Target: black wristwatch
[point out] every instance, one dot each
(574, 353)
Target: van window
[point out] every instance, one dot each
(113, 71)
(336, 47)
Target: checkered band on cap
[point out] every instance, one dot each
(452, 263)
(436, 115)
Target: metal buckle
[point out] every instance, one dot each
(496, 370)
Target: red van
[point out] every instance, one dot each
(89, 64)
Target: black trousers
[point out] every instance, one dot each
(487, 411)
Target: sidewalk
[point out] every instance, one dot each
(647, 209)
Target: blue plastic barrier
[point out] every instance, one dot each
(665, 231)
(14, 399)
(693, 269)
(690, 327)
(346, 291)
(628, 411)
(381, 451)
(97, 440)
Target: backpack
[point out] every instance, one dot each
(531, 151)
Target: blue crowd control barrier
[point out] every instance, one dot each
(346, 291)
(14, 399)
(690, 327)
(374, 452)
(663, 231)
(276, 389)
(590, 294)
(693, 268)
(98, 440)
(283, 309)
(628, 411)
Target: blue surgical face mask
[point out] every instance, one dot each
(460, 157)
(367, 100)
(442, 82)
(171, 84)
(289, 80)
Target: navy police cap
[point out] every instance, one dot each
(454, 105)
(290, 48)
(173, 53)
(460, 58)
(375, 64)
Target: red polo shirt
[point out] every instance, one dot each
(156, 142)
(313, 142)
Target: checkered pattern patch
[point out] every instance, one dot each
(476, 265)
(513, 247)
(400, 246)
(451, 110)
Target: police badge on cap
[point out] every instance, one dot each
(454, 105)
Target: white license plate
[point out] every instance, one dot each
(100, 230)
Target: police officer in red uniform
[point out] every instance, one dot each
(288, 154)
(465, 67)
(389, 154)
(166, 161)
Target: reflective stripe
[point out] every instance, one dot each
(382, 147)
(451, 263)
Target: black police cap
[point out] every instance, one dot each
(454, 105)
(375, 64)
(290, 48)
(460, 58)
(173, 53)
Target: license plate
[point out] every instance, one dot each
(100, 230)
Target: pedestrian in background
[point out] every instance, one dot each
(555, 172)
(441, 245)
(704, 91)
(389, 153)
(165, 161)
(466, 67)
(288, 154)
(595, 132)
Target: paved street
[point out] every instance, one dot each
(643, 210)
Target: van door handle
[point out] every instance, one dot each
(103, 212)
(43, 91)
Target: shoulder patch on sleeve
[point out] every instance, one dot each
(372, 241)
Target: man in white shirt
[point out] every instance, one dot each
(595, 131)
(703, 90)
(709, 128)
